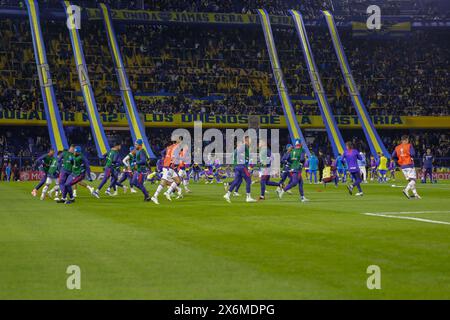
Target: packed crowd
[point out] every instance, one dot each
(227, 71)
(430, 9)
(311, 8)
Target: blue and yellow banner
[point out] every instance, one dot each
(137, 129)
(98, 132)
(375, 143)
(293, 126)
(388, 30)
(187, 120)
(55, 127)
(184, 17)
(334, 135)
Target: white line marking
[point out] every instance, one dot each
(419, 186)
(392, 215)
(406, 212)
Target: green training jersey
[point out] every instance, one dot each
(132, 160)
(264, 157)
(53, 168)
(141, 161)
(67, 161)
(295, 159)
(78, 167)
(241, 155)
(111, 158)
(46, 162)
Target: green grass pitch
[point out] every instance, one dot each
(201, 247)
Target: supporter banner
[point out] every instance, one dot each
(293, 126)
(137, 129)
(187, 17)
(97, 173)
(98, 133)
(31, 175)
(334, 135)
(55, 128)
(375, 143)
(247, 20)
(388, 30)
(437, 175)
(38, 175)
(35, 118)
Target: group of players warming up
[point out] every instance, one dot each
(64, 171)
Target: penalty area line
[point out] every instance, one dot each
(394, 215)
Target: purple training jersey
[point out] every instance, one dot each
(352, 156)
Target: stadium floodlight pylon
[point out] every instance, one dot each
(374, 140)
(289, 113)
(136, 126)
(54, 123)
(101, 143)
(334, 135)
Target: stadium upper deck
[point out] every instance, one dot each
(433, 9)
(229, 67)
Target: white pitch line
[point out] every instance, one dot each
(407, 212)
(421, 187)
(408, 218)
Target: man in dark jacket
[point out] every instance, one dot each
(322, 163)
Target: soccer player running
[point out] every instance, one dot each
(141, 169)
(285, 165)
(296, 160)
(65, 162)
(80, 169)
(111, 171)
(169, 177)
(351, 157)
(129, 162)
(241, 162)
(266, 162)
(43, 162)
(404, 154)
(183, 170)
(52, 176)
(362, 166)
